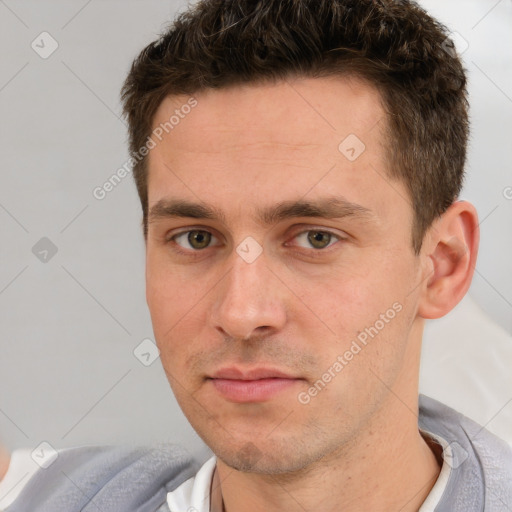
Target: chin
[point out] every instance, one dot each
(277, 457)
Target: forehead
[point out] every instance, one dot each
(255, 143)
(293, 111)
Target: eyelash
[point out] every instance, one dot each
(196, 252)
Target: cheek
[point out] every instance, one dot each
(369, 317)
(357, 371)
(349, 301)
(172, 301)
(172, 293)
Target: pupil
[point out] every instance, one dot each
(316, 239)
(199, 239)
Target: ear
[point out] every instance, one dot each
(449, 253)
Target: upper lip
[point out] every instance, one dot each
(250, 374)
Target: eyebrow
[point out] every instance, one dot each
(327, 208)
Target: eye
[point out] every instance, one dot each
(317, 239)
(196, 239)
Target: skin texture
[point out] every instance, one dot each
(355, 445)
(4, 462)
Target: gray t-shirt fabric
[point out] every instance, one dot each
(481, 476)
(107, 479)
(128, 479)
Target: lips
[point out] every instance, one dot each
(250, 374)
(251, 385)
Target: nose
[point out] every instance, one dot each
(249, 300)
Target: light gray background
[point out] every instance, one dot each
(68, 327)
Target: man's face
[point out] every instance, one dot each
(329, 302)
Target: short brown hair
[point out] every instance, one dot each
(393, 44)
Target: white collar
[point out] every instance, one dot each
(194, 494)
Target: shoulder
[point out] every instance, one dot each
(107, 478)
(481, 463)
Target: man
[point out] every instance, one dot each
(299, 164)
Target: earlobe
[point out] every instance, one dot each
(452, 252)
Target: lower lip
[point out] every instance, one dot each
(251, 390)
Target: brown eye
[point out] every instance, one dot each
(196, 239)
(199, 239)
(319, 239)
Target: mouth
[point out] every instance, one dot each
(251, 385)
